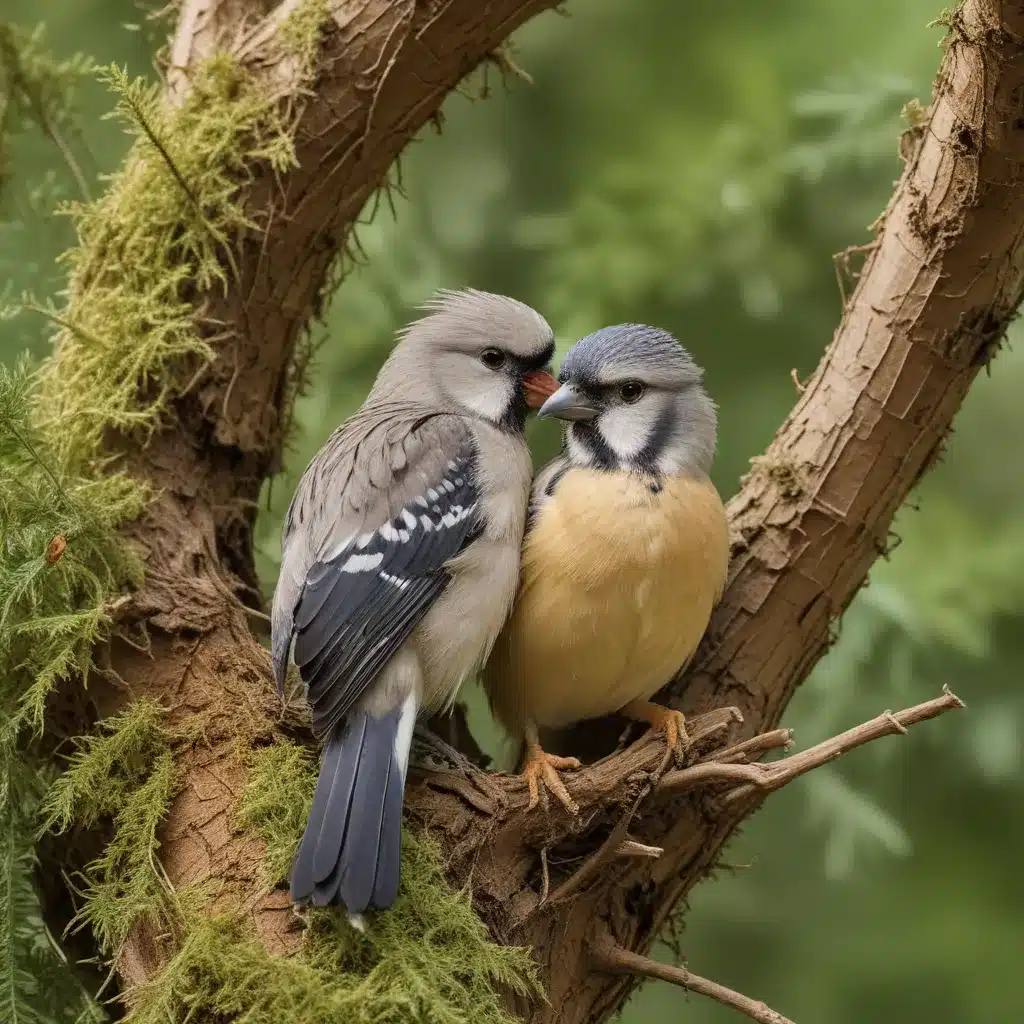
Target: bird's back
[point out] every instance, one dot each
(618, 581)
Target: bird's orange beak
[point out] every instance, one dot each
(539, 386)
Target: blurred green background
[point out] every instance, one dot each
(696, 166)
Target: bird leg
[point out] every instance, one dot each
(541, 768)
(660, 719)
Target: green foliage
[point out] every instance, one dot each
(51, 612)
(276, 802)
(37, 90)
(165, 225)
(125, 774)
(51, 609)
(36, 984)
(428, 959)
(697, 167)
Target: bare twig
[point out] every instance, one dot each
(712, 771)
(888, 723)
(631, 848)
(608, 956)
(751, 778)
(758, 745)
(608, 850)
(605, 853)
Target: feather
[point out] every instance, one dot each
(350, 851)
(360, 605)
(617, 585)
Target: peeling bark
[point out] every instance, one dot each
(937, 291)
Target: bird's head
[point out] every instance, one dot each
(634, 400)
(480, 354)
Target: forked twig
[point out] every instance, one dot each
(886, 724)
(763, 778)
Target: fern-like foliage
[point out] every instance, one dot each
(59, 564)
(37, 985)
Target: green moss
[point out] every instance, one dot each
(107, 768)
(300, 32)
(125, 774)
(276, 801)
(429, 958)
(127, 341)
(167, 225)
(124, 884)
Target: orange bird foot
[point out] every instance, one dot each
(541, 769)
(660, 719)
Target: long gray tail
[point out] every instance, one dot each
(350, 851)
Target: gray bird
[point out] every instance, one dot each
(400, 563)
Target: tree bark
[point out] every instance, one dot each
(939, 287)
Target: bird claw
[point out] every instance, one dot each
(542, 769)
(664, 720)
(674, 727)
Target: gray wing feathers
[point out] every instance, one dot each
(378, 513)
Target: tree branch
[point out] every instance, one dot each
(381, 71)
(759, 780)
(607, 956)
(939, 287)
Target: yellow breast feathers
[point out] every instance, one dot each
(618, 581)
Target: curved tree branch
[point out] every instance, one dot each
(940, 285)
(382, 69)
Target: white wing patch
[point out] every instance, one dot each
(363, 563)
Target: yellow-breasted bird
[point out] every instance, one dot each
(626, 552)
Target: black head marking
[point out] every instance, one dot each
(646, 460)
(514, 420)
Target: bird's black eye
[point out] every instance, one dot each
(630, 391)
(493, 358)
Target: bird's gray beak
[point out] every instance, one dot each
(568, 404)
